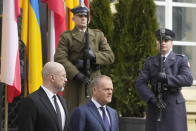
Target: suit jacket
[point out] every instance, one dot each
(36, 113)
(87, 118)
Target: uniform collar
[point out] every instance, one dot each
(166, 55)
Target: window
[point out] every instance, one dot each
(178, 15)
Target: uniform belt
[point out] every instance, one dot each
(172, 89)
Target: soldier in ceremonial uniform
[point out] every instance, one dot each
(176, 74)
(70, 53)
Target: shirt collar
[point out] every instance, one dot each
(82, 30)
(166, 55)
(97, 104)
(48, 92)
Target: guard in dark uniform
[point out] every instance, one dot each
(177, 74)
(70, 53)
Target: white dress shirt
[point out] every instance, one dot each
(166, 55)
(50, 96)
(98, 108)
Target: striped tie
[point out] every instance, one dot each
(105, 119)
(58, 113)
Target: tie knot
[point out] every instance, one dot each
(164, 58)
(102, 108)
(54, 97)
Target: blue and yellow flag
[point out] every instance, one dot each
(31, 36)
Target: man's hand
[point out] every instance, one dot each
(82, 78)
(156, 103)
(91, 55)
(162, 77)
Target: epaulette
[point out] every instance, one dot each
(182, 55)
(150, 57)
(67, 31)
(96, 30)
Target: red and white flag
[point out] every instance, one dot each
(10, 64)
(57, 23)
(87, 4)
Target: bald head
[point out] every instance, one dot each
(51, 68)
(54, 76)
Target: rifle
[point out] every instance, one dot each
(86, 58)
(160, 85)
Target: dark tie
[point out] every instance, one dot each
(105, 119)
(164, 59)
(164, 63)
(58, 113)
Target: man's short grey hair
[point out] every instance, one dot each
(96, 80)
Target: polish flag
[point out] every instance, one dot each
(10, 63)
(57, 23)
(87, 4)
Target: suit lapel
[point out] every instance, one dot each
(79, 36)
(91, 37)
(111, 117)
(156, 60)
(46, 102)
(170, 60)
(93, 109)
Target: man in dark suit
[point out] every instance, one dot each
(45, 110)
(175, 74)
(95, 115)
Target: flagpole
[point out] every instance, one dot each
(49, 34)
(25, 73)
(6, 111)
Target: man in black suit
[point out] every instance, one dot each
(45, 110)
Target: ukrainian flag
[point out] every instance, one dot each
(31, 36)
